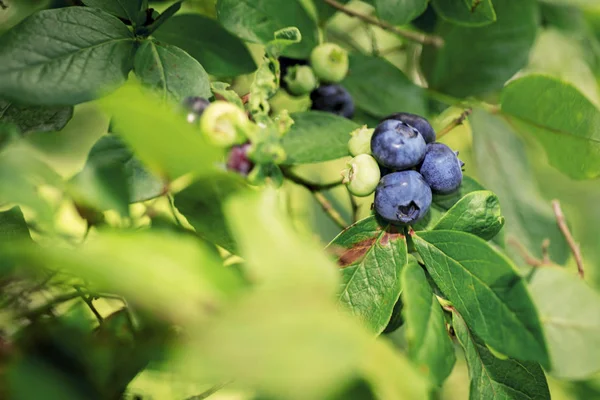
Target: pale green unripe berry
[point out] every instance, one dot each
(329, 62)
(224, 124)
(360, 141)
(362, 175)
(300, 80)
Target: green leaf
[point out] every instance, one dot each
(561, 118)
(165, 16)
(493, 378)
(126, 9)
(487, 291)
(172, 72)
(317, 136)
(202, 204)
(477, 213)
(13, 225)
(88, 53)
(371, 258)
(222, 89)
(158, 136)
(219, 52)
(429, 344)
(504, 168)
(447, 201)
(578, 3)
(570, 313)
(380, 88)
(465, 12)
(257, 21)
(483, 65)
(34, 118)
(399, 12)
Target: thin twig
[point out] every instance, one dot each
(545, 251)
(355, 207)
(524, 253)
(410, 35)
(456, 122)
(210, 391)
(312, 186)
(329, 209)
(90, 303)
(45, 308)
(562, 225)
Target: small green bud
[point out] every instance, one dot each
(329, 62)
(362, 175)
(360, 141)
(224, 124)
(300, 80)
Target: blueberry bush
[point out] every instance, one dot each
(263, 199)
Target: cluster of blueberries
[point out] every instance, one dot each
(411, 166)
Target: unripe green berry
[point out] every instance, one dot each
(329, 62)
(362, 175)
(224, 124)
(300, 80)
(360, 141)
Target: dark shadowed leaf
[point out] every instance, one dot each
(317, 136)
(88, 53)
(126, 9)
(170, 71)
(493, 378)
(371, 258)
(446, 201)
(487, 290)
(13, 225)
(35, 118)
(468, 13)
(570, 313)
(429, 344)
(561, 118)
(477, 213)
(380, 88)
(219, 52)
(399, 12)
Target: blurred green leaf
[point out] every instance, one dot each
(164, 16)
(487, 291)
(371, 258)
(257, 21)
(582, 3)
(89, 52)
(202, 204)
(570, 313)
(494, 54)
(477, 213)
(219, 52)
(126, 9)
(447, 201)
(561, 118)
(317, 136)
(399, 12)
(35, 118)
(13, 225)
(159, 136)
(222, 89)
(504, 168)
(467, 13)
(380, 88)
(429, 344)
(170, 71)
(492, 377)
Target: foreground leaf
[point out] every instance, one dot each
(13, 225)
(34, 118)
(483, 65)
(170, 71)
(570, 314)
(399, 12)
(468, 13)
(161, 138)
(429, 344)
(492, 377)
(561, 118)
(477, 213)
(89, 52)
(380, 88)
(371, 258)
(257, 21)
(126, 9)
(317, 136)
(486, 290)
(504, 168)
(219, 52)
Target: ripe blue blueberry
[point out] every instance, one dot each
(334, 99)
(402, 197)
(417, 122)
(441, 168)
(397, 145)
